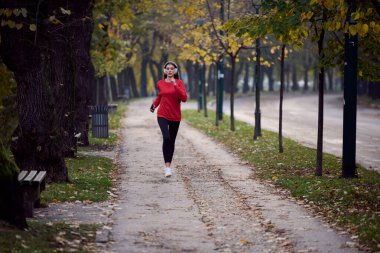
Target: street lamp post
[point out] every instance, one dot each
(257, 132)
(350, 98)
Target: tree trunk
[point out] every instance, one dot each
(143, 69)
(211, 80)
(152, 72)
(318, 171)
(306, 78)
(287, 77)
(114, 88)
(253, 82)
(132, 80)
(81, 32)
(269, 72)
(227, 84)
(121, 83)
(246, 78)
(330, 78)
(232, 97)
(374, 90)
(102, 96)
(203, 80)
(295, 86)
(238, 73)
(37, 141)
(61, 61)
(190, 75)
(280, 147)
(315, 83)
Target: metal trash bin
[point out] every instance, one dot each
(99, 122)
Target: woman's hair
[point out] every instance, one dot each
(176, 75)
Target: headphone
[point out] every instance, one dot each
(172, 63)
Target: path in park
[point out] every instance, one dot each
(212, 203)
(300, 119)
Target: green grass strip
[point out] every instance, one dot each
(48, 237)
(90, 180)
(351, 203)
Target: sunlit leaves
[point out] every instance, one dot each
(65, 12)
(33, 27)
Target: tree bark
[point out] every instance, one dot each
(80, 33)
(227, 79)
(280, 146)
(132, 81)
(114, 88)
(38, 138)
(232, 95)
(269, 72)
(295, 86)
(143, 68)
(211, 80)
(246, 78)
(330, 78)
(318, 170)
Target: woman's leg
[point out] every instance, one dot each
(173, 130)
(166, 147)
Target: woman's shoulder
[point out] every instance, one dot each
(159, 82)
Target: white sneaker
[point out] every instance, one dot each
(168, 172)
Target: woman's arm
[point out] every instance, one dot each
(181, 90)
(157, 101)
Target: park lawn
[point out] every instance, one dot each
(48, 237)
(90, 175)
(352, 204)
(90, 178)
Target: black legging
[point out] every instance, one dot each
(169, 130)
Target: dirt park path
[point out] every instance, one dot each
(212, 203)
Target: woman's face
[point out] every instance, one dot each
(170, 70)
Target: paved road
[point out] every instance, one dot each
(300, 115)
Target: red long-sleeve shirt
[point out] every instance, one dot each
(169, 99)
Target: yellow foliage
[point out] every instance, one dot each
(355, 15)
(329, 4)
(353, 29)
(125, 27)
(337, 25)
(32, 27)
(8, 13)
(114, 21)
(110, 33)
(363, 30)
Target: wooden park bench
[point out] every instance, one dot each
(32, 183)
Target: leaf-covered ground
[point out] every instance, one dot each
(353, 204)
(48, 237)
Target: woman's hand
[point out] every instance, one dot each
(174, 82)
(152, 108)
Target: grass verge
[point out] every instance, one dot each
(90, 180)
(90, 175)
(48, 237)
(353, 204)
